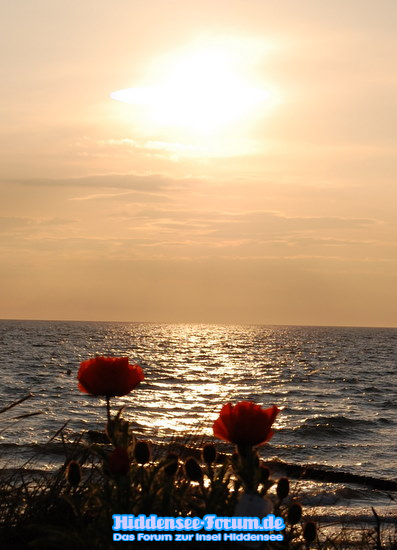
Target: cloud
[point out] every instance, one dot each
(10, 223)
(148, 216)
(16, 224)
(105, 196)
(255, 224)
(137, 182)
(135, 149)
(145, 146)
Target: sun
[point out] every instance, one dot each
(203, 89)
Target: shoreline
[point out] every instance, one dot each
(333, 498)
(318, 472)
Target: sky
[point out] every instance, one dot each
(199, 161)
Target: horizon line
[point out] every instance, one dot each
(229, 323)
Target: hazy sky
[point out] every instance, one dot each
(249, 175)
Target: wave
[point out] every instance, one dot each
(330, 426)
(351, 519)
(339, 421)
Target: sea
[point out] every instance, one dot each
(336, 387)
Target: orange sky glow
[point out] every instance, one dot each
(211, 162)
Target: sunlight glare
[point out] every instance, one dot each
(204, 89)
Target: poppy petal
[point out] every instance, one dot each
(245, 423)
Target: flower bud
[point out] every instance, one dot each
(235, 460)
(142, 452)
(193, 470)
(264, 473)
(172, 464)
(119, 462)
(209, 453)
(309, 531)
(294, 513)
(283, 487)
(73, 473)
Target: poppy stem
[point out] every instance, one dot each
(108, 407)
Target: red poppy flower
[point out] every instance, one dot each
(108, 376)
(245, 423)
(119, 462)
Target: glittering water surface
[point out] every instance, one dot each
(337, 387)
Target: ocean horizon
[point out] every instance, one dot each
(207, 323)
